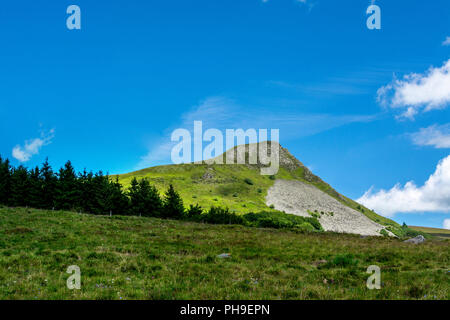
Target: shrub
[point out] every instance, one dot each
(342, 260)
(314, 214)
(304, 227)
(194, 212)
(217, 215)
(248, 181)
(282, 220)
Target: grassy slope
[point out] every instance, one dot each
(146, 258)
(228, 188)
(440, 233)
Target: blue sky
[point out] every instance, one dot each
(107, 96)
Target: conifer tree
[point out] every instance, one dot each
(5, 181)
(67, 193)
(98, 194)
(173, 204)
(49, 182)
(151, 201)
(20, 187)
(35, 189)
(117, 200)
(135, 198)
(144, 199)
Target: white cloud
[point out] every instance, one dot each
(222, 113)
(433, 196)
(446, 224)
(435, 136)
(418, 92)
(32, 147)
(446, 42)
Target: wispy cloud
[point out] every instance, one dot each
(433, 196)
(32, 147)
(351, 83)
(331, 88)
(446, 42)
(418, 92)
(437, 136)
(222, 113)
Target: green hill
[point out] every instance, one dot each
(241, 188)
(123, 257)
(436, 232)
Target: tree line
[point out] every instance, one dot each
(96, 193)
(87, 192)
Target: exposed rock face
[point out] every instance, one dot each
(416, 240)
(296, 197)
(208, 175)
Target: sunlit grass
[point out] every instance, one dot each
(147, 258)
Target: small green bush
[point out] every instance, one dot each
(342, 260)
(248, 181)
(282, 220)
(194, 212)
(217, 215)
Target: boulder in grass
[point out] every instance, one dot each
(416, 240)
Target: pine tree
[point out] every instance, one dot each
(20, 187)
(87, 203)
(144, 199)
(173, 204)
(117, 200)
(135, 198)
(98, 194)
(151, 201)
(35, 189)
(49, 182)
(5, 181)
(67, 193)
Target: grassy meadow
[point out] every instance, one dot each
(148, 258)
